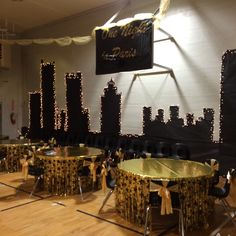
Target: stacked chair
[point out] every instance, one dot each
(99, 141)
(180, 151)
(123, 143)
(110, 144)
(135, 149)
(89, 140)
(163, 149)
(149, 147)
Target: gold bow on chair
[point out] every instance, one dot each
(148, 154)
(25, 167)
(120, 154)
(93, 169)
(103, 175)
(214, 164)
(166, 205)
(164, 193)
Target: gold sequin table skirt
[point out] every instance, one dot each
(61, 169)
(14, 152)
(133, 192)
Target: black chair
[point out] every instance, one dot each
(37, 172)
(111, 166)
(135, 149)
(85, 171)
(3, 155)
(96, 174)
(163, 149)
(221, 193)
(111, 184)
(89, 140)
(214, 164)
(99, 141)
(123, 143)
(149, 147)
(180, 151)
(110, 144)
(155, 203)
(137, 146)
(82, 172)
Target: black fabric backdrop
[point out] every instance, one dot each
(228, 103)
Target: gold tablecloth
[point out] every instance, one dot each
(133, 188)
(61, 167)
(15, 151)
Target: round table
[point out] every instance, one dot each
(134, 182)
(15, 151)
(61, 166)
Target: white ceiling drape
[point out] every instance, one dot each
(82, 40)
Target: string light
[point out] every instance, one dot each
(111, 99)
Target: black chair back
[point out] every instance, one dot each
(222, 192)
(150, 146)
(180, 151)
(35, 170)
(3, 154)
(214, 164)
(163, 149)
(110, 180)
(156, 199)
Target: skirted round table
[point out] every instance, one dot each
(15, 151)
(61, 167)
(134, 183)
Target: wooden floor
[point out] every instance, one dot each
(46, 215)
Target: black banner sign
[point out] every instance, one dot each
(125, 48)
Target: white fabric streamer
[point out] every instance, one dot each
(82, 40)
